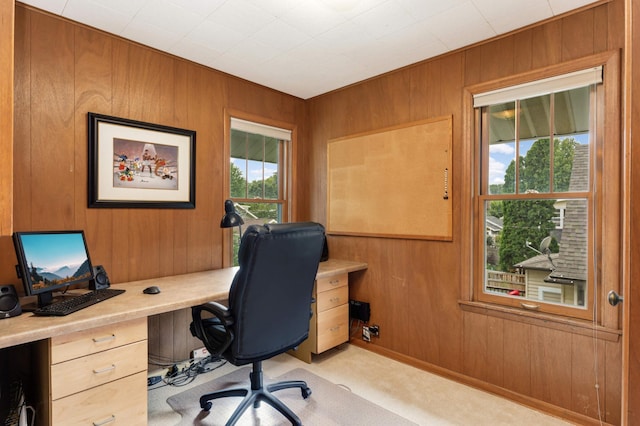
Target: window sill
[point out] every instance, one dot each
(570, 325)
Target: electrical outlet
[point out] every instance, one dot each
(366, 334)
(374, 330)
(199, 353)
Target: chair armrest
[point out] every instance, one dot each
(224, 319)
(216, 309)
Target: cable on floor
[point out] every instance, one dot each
(177, 377)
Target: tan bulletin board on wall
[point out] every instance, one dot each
(392, 183)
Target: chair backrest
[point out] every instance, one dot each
(270, 297)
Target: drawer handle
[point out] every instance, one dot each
(104, 339)
(104, 422)
(105, 370)
(336, 328)
(334, 282)
(334, 299)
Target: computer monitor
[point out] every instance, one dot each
(50, 261)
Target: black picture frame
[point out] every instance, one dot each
(133, 164)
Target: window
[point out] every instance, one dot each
(258, 174)
(536, 193)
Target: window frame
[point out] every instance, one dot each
(607, 185)
(286, 185)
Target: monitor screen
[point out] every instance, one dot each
(50, 261)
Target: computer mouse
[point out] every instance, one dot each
(151, 290)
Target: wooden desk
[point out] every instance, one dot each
(52, 340)
(177, 292)
(329, 323)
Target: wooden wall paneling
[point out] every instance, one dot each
(451, 83)
(388, 301)
(7, 25)
(179, 227)
(384, 101)
(472, 66)
(517, 357)
(588, 363)
(601, 28)
(495, 371)
(474, 349)
(207, 95)
(142, 251)
(120, 107)
(613, 383)
(153, 332)
(165, 337)
(254, 99)
(614, 13)
(424, 300)
(523, 51)
(167, 222)
(22, 121)
(51, 170)
(183, 341)
(449, 333)
(497, 59)
(425, 94)
(347, 121)
(551, 361)
(167, 218)
(93, 79)
(317, 175)
(546, 44)
(21, 145)
(578, 35)
(448, 255)
(300, 186)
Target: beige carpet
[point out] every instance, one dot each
(329, 404)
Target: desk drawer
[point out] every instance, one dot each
(93, 370)
(332, 298)
(334, 281)
(333, 328)
(122, 402)
(81, 343)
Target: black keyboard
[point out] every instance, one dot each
(72, 304)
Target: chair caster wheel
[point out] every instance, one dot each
(305, 392)
(206, 406)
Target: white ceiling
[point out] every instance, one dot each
(307, 47)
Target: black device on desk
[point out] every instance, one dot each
(51, 261)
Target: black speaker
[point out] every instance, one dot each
(9, 302)
(100, 280)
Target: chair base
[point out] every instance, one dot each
(257, 393)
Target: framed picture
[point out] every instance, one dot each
(140, 165)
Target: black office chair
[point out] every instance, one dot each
(269, 309)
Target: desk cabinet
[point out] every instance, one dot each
(96, 376)
(329, 324)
